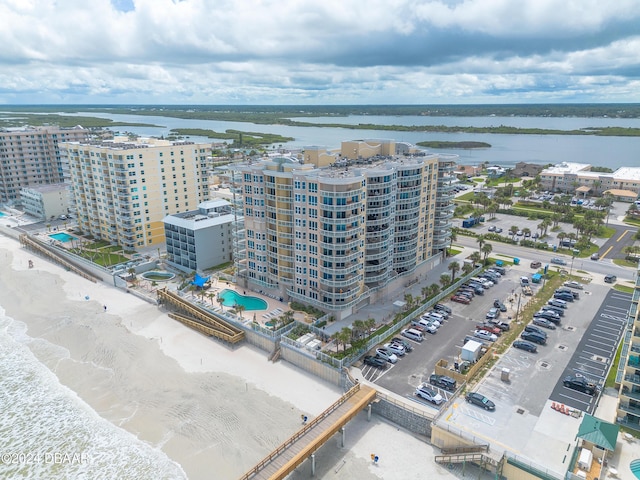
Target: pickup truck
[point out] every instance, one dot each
(527, 290)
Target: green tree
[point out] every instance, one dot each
(343, 337)
(445, 280)
(486, 250)
(454, 267)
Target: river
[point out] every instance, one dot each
(506, 150)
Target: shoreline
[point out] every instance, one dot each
(208, 407)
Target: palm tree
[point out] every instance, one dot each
(434, 289)
(370, 324)
(239, 309)
(467, 268)
(475, 257)
(514, 229)
(486, 250)
(343, 337)
(445, 280)
(408, 298)
(358, 328)
(453, 267)
(526, 231)
(481, 241)
(561, 237)
(132, 275)
(452, 238)
(425, 292)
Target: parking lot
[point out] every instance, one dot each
(523, 416)
(415, 367)
(595, 352)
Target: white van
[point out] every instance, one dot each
(412, 334)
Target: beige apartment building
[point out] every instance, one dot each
(336, 236)
(30, 156)
(124, 189)
(566, 177)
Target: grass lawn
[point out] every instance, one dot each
(466, 197)
(96, 245)
(623, 288)
(623, 262)
(452, 252)
(632, 221)
(611, 377)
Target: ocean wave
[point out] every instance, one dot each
(47, 431)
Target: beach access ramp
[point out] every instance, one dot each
(198, 318)
(288, 456)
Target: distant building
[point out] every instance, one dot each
(30, 156)
(568, 177)
(524, 169)
(202, 238)
(472, 170)
(495, 171)
(124, 189)
(45, 201)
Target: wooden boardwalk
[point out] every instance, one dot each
(198, 318)
(288, 456)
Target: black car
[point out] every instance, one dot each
(443, 381)
(548, 315)
(534, 329)
(610, 278)
(375, 361)
(499, 305)
(534, 337)
(573, 293)
(524, 345)
(480, 400)
(567, 297)
(440, 306)
(504, 326)
(580, 383)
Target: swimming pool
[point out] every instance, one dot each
(231, 298)
(635, 468)
(157, 276)
(62, 237)
(2, 214)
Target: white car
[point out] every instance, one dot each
(429, 394)
(484, 335)
(388, 355)
(574, 284)
(425, 326)
(396, 348)
(432, 320)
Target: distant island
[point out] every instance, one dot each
(444, 144)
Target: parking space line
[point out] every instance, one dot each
(613, 317)
(575, 399)
(599, 342)
(583, 369)
(614, 308)
(589, 375)
(592, 353)
(478, 416)
(616, 329)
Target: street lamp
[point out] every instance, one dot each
(519, 295)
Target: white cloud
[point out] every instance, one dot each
(303, 51)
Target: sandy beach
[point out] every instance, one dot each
(210, 408)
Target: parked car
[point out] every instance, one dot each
(574, 284)
(388, 355)
(431, 320)
(543, 322)
(480, 400)
(580, 383)
(440, 306)
(493, 313)
(429, 394)
(424, 326)
(504, 326)
(558, 261)
(534, 329)
(575, 294)
(535, 236)
(492, 228)
(375, 361)
(567, 297)
(396, 348)
(533, 337)
(413, 334)
(407, 346)
(527, 234)
(498, 230)
(461, 299)
(595, 256)
(499, 269)
(535, 264)
(558, 310)
(443, 381)
(524, 345)
(493, 271)
(499, 305)
(548, 314)
(610, 278)
(557, 303)
(484, 335)
(489, 328)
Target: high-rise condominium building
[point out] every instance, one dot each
(123, 189)
(336, 236)
(628, 413)
(30, 156)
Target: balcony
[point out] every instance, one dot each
(629, 407)
(632, 378)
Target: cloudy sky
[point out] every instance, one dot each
(319, 51)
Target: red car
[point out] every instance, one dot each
(460, 299)
(490, 329)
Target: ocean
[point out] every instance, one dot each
(48, 432)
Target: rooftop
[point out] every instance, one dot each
(568, 167)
